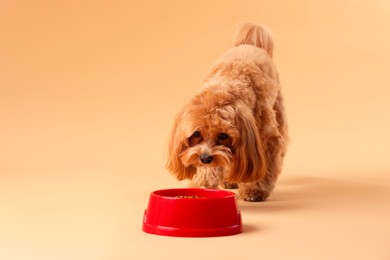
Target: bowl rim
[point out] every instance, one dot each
(217, 194)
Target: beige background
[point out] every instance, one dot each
(88, 92)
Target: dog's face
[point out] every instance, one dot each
(210, 138)
(216, 135)
(208, 148)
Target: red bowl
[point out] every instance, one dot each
(192, 212)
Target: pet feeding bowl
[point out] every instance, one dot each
(192, 212)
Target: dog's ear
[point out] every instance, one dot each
(177, 144)
(249, 162)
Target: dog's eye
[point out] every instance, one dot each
(222, 136)
(195, 138)
(224, 139)
(196, 134)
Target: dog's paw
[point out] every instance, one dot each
(254, 196)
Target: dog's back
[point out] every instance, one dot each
(251, 55)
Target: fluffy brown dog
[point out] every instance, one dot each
(234, 131)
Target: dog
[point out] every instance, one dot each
(233, 133)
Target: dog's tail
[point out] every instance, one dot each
(253, 34)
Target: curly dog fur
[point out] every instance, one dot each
(234, 130)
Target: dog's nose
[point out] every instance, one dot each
(206, 158)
